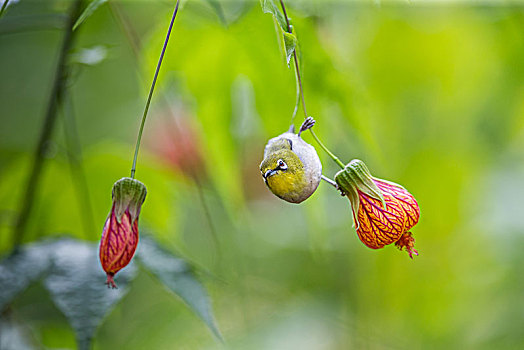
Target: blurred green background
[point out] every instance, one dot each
(429, 95)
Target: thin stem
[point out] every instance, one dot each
(56, 98)
(134, 42)
(334, 157)
(207, 213)
(289, 29)
(4, 6)
(146, 109)
(329, 181)
(299, 80)
(297, 102)
(301, 90)
(125, 26)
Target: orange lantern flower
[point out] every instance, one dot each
(383, 211)
(120, 235)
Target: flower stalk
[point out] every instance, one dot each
(150, 95)
(120, 234)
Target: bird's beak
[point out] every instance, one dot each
(269, 173)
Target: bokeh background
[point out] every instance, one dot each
(428, 94)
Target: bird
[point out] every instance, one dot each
(291, 168)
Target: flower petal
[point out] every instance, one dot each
(406, 200)
(378, 226)
(118, 243)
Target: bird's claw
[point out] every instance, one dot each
(307, 124)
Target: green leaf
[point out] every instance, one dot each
(76, 285)
(269, 6)
(13, 335)
(290, 43)
(20, 269)
(73, 277)
(215, 4)
(290, 39)
(90, 9)
(176, 274)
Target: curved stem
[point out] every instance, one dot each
(334, 157)
(297, 102)
(146, 109)
(4, 6)
(207, 212)
(301, 90)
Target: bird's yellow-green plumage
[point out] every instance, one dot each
(291, 168)
(287, 183)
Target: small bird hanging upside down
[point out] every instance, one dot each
(291, 168)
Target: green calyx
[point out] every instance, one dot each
(128, 194)
(356, 177)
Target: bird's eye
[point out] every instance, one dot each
(281, 164)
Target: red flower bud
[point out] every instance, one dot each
(378, 226)
(406, 200)
(120, 235)
(383, 211)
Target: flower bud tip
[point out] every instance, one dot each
(110, 281)
(407, 243)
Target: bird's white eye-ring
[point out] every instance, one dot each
(281, 164)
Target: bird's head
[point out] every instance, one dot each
(284, 174)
